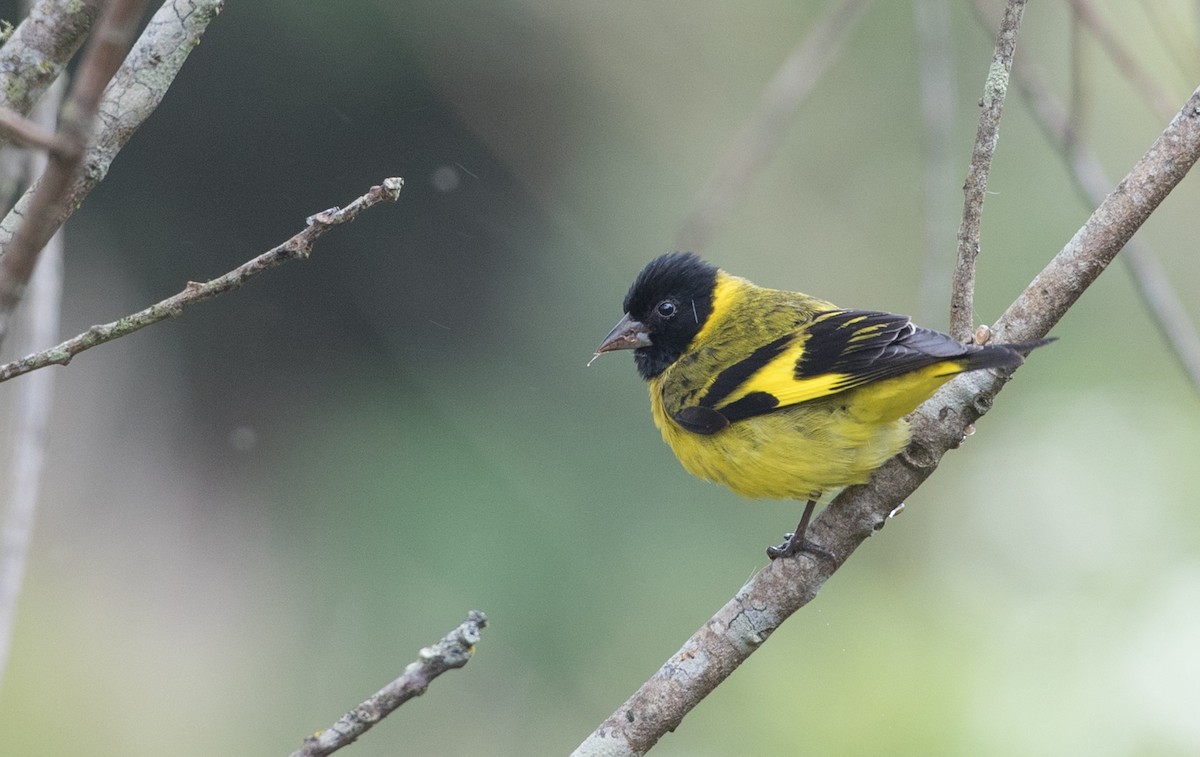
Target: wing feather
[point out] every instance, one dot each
(838, 350)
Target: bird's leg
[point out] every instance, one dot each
(797, 541)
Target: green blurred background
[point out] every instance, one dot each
(255, 515)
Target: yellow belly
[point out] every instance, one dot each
(802, 451)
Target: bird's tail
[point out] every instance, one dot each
(1002, 355)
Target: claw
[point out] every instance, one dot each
(797, 542)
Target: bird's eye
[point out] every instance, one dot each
(666, 309)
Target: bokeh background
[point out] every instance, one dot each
(256, 514)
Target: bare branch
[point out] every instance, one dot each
(29, 62)
(115, 31)
(962, 296)
(1080, 91)
(32, 403)
(1171, 26)
(762, 133)
(453, 651)
(938, 426)
(299, 246)
(1112, 224)
(1123, 58)
(1155, 288)
(1166, 307)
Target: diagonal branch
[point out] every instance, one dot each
(935, 73)
(32, 402)
(962, 294)
(114, 33)
(1125, 61)
(299, 246)
(1048, 297)
(1159, 296)
(762, 133)
(128, 100)
(786, 585)
(453, 651)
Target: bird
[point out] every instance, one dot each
(780, 395)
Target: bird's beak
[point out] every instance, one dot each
(628, 334)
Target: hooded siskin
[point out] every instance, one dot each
(778, 394)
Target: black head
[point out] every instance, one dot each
(664, 309)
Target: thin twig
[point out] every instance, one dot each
(962, 295)
(1160, 297)
(32, 402)
(1124, 210)
(1080, 91)
(299, 246)
(785, 585)
(1166, 307)
(113, 35)
(1173, 34)
(762, 133)
(1125, 61)
(453, 651)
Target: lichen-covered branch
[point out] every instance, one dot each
(453, 651)
(18, 255)
(130, 97)
(299, 246)
(785, 585)
(40, 47)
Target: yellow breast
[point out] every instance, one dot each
(802, 451)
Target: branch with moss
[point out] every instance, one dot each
(786, 585)
(298, 246)
(453, 651)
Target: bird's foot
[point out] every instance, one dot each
(798, 541)
(794, 544)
